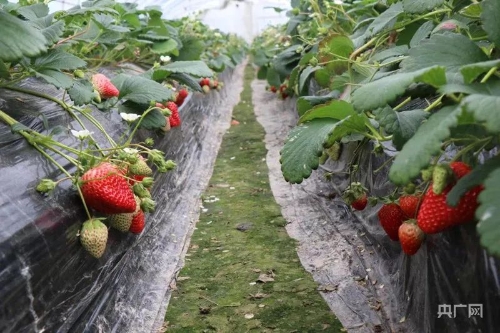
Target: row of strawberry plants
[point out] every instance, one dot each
(67, 49)
(369, 62)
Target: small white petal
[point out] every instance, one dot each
(81, 134)
(130, 116)
(130, 150)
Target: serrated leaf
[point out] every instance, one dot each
(472, 71)
(140, 90)
(53, 32)
(334, 48)
(305, 103)
(334, 109)
(492, 87)
(304, 145)
(285, 61)
(485, 109)
(58, 59)
(153, 120)
(472, 11)
(402, 125)
(32, 12)
(186, 80)
(378, 93)
(491, 17)
(196, 68)
(476, 177)
(351, 128)
(81, 92)
(420, 6)
(422, 33)
(488, 214)
(451, 51)
(426, 142)
(165, 47)
(19, 39)
(55, 77)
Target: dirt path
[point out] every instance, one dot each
(242, 272)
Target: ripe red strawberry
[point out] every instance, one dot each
(204, 82)
(104, 86)
(174, 119)
(135, 179)
(138, 222)
(273, 89)
(181, 96)
(360, 203)
(410, 237)
(391, 217)
(409, 205)
(460, 169)
(94, 236)
(435, 215)
(106, 190)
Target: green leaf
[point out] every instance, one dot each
(385, 20)
(451, 51)
(426, 142)
(273, 78)
(336, 109)
(34, 12)
(322, 76)
(186, 80)
(19, 39)
(52, 32)
(4, 71)
(402, 125)
(305, 103)
(59, 60)
(304, 76)
(476, 177)
(472, 71)
(165, 47)
(353, 127)
(286, 61)
(422, 33)
(472, 11)
(332, 49)
(396, 51)
(378, 93)
(191, 50)
(491, 17)
(485, 109)
(488, 214)
(140, 90)
(19, 127)
(153, 120)
(196, 68)
(304, 145)
(420, 6)
(55, 77)
(262, 73)
(81, 92)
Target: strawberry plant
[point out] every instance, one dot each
(421, 77)
(76, 51)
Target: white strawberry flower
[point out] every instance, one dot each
(130, 117)
(81, 134)
(165, 58)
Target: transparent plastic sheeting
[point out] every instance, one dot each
(48, 283)
(369, 283)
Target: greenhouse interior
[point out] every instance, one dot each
(250, 166)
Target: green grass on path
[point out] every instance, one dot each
(218, 289)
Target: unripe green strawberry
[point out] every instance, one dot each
(79, 73)
(313, 62)
(334, 151)
(206, 89)
(121, 222)
(295, 11)
(147, 182)
(323, 158)
(140, 168)
(94, 236)
(410, 188)
(46, 185)
(141, 191)
(441, 177)
(148, 205)
(427, 174)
